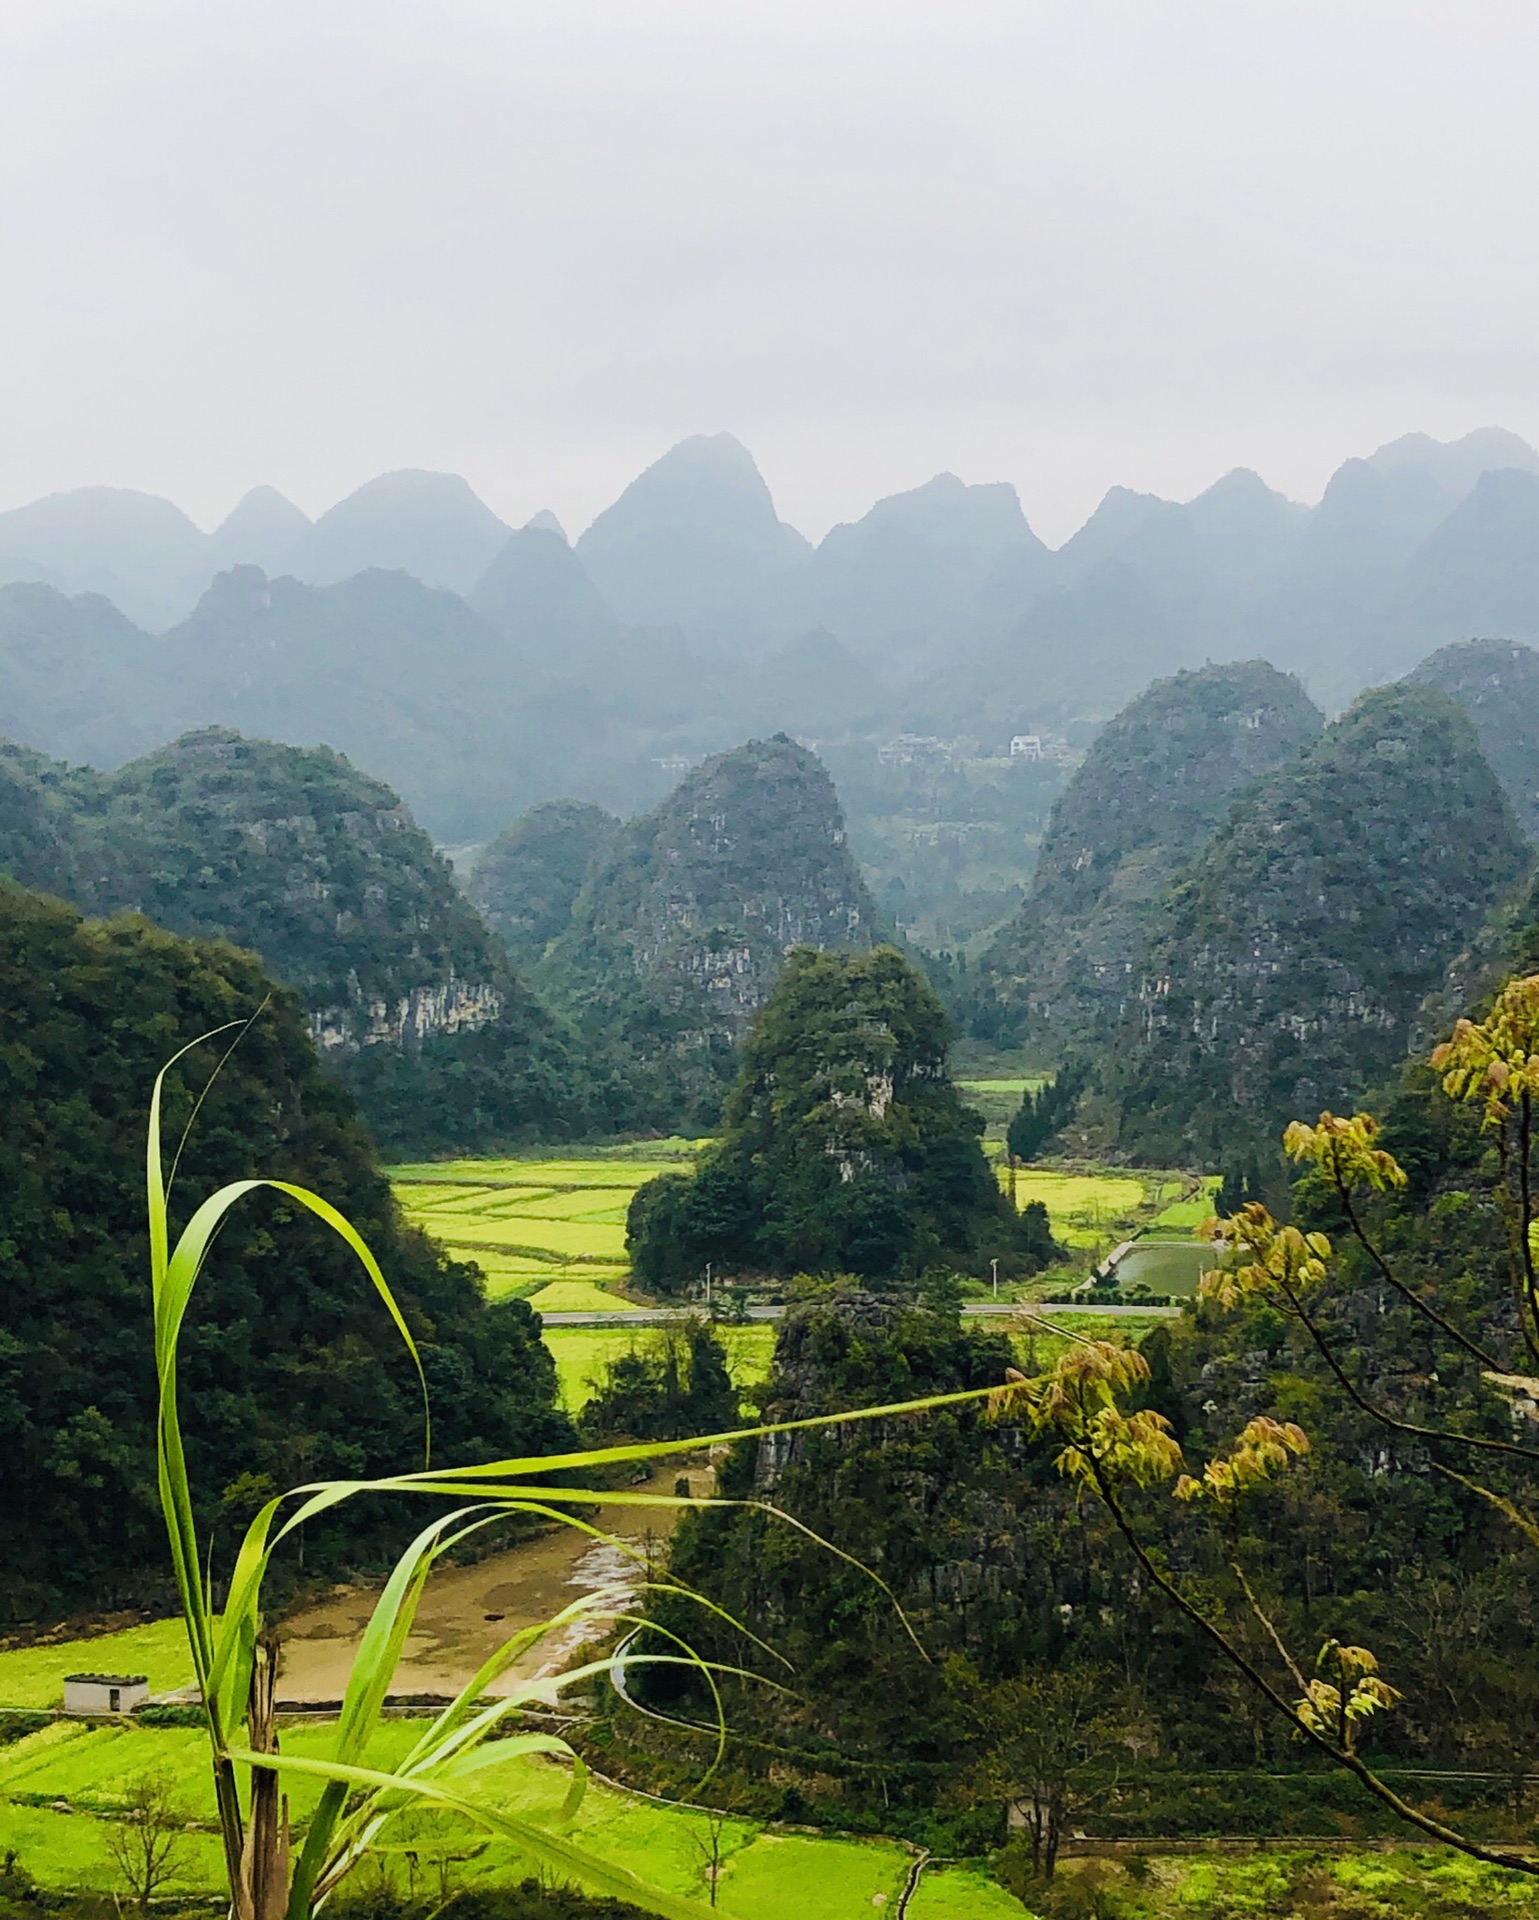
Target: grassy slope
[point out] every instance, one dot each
(768, 1874)
(34, 1676)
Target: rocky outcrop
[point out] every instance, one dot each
(291, 852)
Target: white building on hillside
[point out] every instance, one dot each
(92, 1693)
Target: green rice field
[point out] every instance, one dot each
(550, 1230)
(60, 1787)
(766, 1875)
(34, 1676)
(1085, 1208)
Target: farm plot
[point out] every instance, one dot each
(766, 1875)
(582, 1353)
(34, 1676)
(552, 1231)
(1085, 1208)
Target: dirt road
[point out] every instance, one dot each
(468, 1612)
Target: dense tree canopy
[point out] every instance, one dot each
(1287, 968)
(290, 1367)
(1152, 790)
(526, 881)
(845, 1146)
(681, 928)
(295, 854)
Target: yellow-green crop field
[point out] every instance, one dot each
(551, 1230)
(1084, 1208)
(582, 1353)
(34, 1676)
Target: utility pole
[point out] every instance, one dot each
(708, 1286)
(995, 1265)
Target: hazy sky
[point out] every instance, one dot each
(1066, 243)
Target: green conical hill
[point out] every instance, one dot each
(685, 921)
(1150, 793)
(1287, 966)
(526, 881)
(1497, 684)
(293, 853)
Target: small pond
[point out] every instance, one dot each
(1165, 1266)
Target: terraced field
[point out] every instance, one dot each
(60, 1788)
(550, 1230)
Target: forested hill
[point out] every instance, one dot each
(1285, 971)
(1152, 790)
(528, 879)
(291, 1369)
(685, 920)
(295, 854)
(1497, 684)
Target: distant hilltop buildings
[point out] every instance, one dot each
(905, 749)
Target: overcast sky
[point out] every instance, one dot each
(1066, 243)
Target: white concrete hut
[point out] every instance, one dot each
(105, 1692)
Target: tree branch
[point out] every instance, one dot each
(1350, 1388)
(1406, 1293)
(1494, 1856)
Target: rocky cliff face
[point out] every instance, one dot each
(1150, 793)
(292, 852)
(682, 927)
(1287, 966)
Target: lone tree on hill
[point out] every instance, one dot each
(845, 1146)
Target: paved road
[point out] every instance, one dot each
(660, 1316)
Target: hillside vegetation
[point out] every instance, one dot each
(845, 1148)
(1150, 793)
(685, 918)
(1284, 972)
(293, 853)
(290, 1370)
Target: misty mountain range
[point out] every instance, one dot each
(480, 668)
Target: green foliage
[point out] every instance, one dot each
(677, 1383)
(1288, 966)
(1046, 1111)
(1152, 790)
(1241, 1183)
(526, 881)
(292, 1373)
(293, 853)
(914, 1501)
(681, 928)
(845, 1147)
(529, 1900)
(1496, 682)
